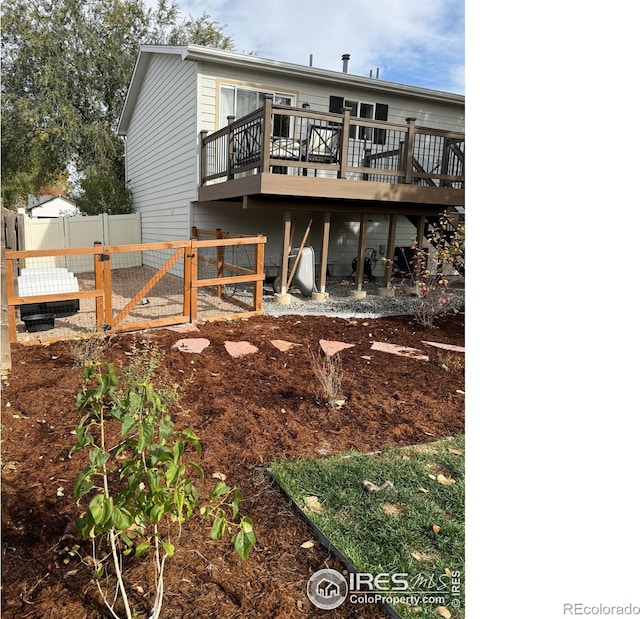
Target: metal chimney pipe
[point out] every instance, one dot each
(345, 62)
(310, 60)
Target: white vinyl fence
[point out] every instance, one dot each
(84, 231)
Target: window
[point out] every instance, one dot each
(239, 101)
(361, 109)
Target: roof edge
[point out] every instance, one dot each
(198, 52)
(202, 53)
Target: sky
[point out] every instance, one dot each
(414, 42)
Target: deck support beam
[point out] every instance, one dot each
(324, 251)
(362, 244)
(287, 242)
(391, 243)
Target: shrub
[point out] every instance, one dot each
(328, 370)
(139, 483)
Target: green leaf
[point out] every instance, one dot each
(218, 528)
(128, 422)
(142, 548)
(246, 524)
(243, 543)
(171, 473)
(193, 438)
(165, 429)
(198, 469)
(156, 513)
(122, 519)
(83, 483)
(98, 508)
(169, 548)
(98, 457)
(146, 436)
(220, 489)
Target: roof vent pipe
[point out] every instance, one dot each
(345, 62)
(310, 60)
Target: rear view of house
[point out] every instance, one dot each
(223, 140)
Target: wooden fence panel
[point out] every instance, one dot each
(136, 298)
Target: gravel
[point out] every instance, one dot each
(342, 305)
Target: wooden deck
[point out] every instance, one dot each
(354, 163)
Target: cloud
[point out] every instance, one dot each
(412, 41)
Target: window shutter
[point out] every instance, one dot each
(381, 113)
(335, 104)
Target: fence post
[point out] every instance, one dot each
(99, 283)
(6, 340)
(220, 261)
(190, 298)
(258, 287)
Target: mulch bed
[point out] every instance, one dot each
(249, 411)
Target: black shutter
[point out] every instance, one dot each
(336, 104)
(381, 113)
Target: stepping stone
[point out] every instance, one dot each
(445, 346)
(183, 328)
(195, 345)
(403, 351)
(331, 347)
(283, 345)
(239, 349)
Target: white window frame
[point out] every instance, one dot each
(222, 117)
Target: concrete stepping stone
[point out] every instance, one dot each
(403, 351)
(331, 347)
(452, 347)
(194, 345)
(239, 349)
(283, 345)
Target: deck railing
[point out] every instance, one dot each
(290, 140)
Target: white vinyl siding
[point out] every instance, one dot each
(162, 149)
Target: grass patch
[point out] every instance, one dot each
(414, 527)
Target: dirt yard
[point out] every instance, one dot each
(248, 411)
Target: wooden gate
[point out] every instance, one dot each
(166, 290)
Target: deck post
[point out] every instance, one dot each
(407, 162)
(266, 132)
(287, 242)
(203, 157)
(344, 143)
(324, 251)
(230, 120)
(362, 243)
(391, 242)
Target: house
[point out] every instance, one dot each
(47, 206)
(218, 139)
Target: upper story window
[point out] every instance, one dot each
(362, 109)
(239, 101)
